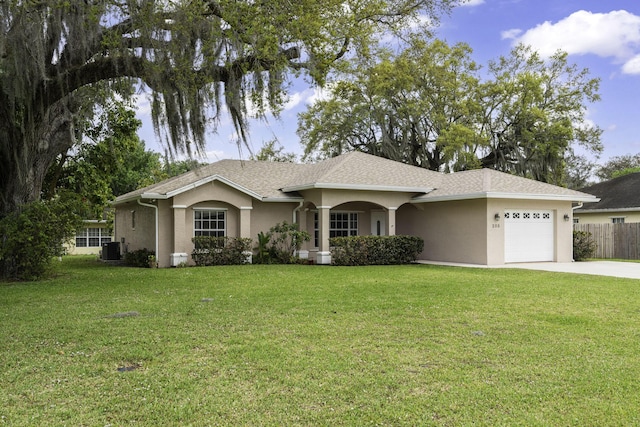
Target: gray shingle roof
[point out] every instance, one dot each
(618, 193)
(275, 180)
(485, 182)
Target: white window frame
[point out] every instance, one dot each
(332, 220)
(198, 223)
(336, 226)
(617, 219)
(99, 235)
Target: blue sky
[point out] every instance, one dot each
(601, 35)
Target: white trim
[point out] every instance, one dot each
(282, 199)
(208, 208)
(211, 179)
(323, 207)
(191, 186)
(246, 208)
(610, 210)
(179, 207)
(323, 258)
(367, 187)
(225, 219)
(492, 195)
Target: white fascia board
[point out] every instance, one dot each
(333, 186)
(609, 210)
(208, 180)
(520, 196)
(168, 195)
(282, 199)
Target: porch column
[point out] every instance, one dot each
(391, 221)
(245, 230)
(301, 217)
(245, 222)
(179, 254)
(324, 253)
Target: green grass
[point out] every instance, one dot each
(312, 345)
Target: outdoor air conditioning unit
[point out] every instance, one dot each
(111, 251)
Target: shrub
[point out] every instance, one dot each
(583, 245)
(139, 258)
(375, 250)
(281, 244)
(37, 232)
(220, 250)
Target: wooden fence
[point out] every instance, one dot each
(620, 241)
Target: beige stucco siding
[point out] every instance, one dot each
(266, 215)
(605, 217)
(140, 236)
(466, 231)
(213, 191)
(452, 231)
(563, 229)
(334, 198)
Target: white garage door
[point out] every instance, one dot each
(528, 235)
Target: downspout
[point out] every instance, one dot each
(156, 209)
(577, 207)
(295, 212)
(295, 220)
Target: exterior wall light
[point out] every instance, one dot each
(496, 217)
(566, 217)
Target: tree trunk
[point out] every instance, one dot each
(28, 150)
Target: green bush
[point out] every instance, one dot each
(583, 245)
(139, 258)
(375, 250)
(31, 237)
(281, 244)
(220, 250)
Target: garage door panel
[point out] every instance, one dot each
(529, 235)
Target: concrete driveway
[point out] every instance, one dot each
(629, 270)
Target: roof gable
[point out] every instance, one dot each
(356, 170)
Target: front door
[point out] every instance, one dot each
(378, 223)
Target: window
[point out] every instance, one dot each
(341, 224)
(92, 237)
(209, 223)
(576, 220)
(133, 220)
(316, 230)
(617, 220)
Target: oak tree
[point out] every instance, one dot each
(432, 106)
(197, 58)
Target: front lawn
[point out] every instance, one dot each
(315, 345)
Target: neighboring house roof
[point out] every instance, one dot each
(277, 181)
(618, 194)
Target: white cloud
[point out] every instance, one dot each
(632, 66)
(615, 34)
(510, 34)
(470, 3)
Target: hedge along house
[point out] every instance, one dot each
(478, 217)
